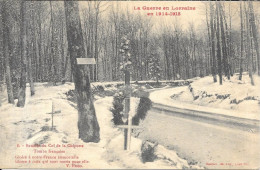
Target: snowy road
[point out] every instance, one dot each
(206, 141)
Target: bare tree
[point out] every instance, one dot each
(6, 52)
(87, 121)
(255, 34)
(249, 46)
(211, 34)
(31, 34)
(22, 87)
(242, 42)
(218, 44)
(223, 42)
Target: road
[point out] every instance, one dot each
(210, 142)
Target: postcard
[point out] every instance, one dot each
(129, 84)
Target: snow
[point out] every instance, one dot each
(32, 125)
(202, 142)
(235, 89)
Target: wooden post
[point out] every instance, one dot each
(127, 105)
(129, 129)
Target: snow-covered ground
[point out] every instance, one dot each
(31, 126)
(234, 98)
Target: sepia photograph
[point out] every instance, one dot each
(129, 84)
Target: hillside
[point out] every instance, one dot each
(234, 94)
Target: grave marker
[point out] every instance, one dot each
(85, 61)
(52, 113)
(129, 128)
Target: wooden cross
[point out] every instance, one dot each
(129, 128)
(53, 112)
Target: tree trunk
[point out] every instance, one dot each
(249, 49)
(6, 53)
(22, 88)
(96, 42)
(224, 44)
(2, 72)
(33, 47)
(87, 120)
(30, 75)
(255, 34)
(242, 40)
(231, 65)
(53, 54)
(213, 70)
(210, 34)
(218, 47)
(40, 46)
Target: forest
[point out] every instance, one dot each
(159, 79)
(35, 47)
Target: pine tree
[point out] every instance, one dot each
(125, 67)
(154, 66)
(124, 50)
